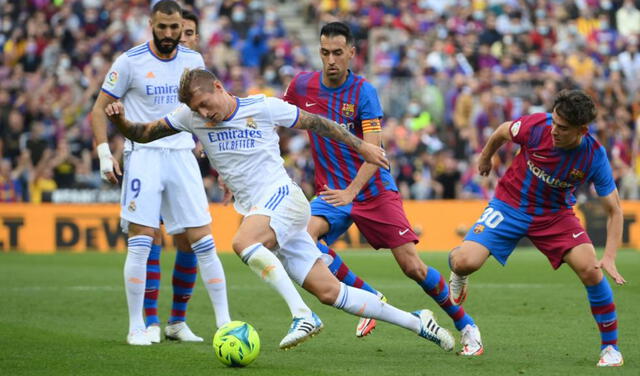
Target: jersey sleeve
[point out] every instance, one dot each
(117, 81)
(520, 129)
(282, 113)
(180, 119)
(601, 174)
(290, 93)
(370, 110)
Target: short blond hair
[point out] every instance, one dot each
(193, 80)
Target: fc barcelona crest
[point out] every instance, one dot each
(478, 229)
(576, 174)
(348, 110)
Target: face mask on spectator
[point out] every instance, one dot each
(270, 16)
(65, 63)
(238, 15)
(269, 75)
(533, 60)
(544, 30)
(413, 109)
(603, 49)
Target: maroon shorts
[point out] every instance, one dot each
(381, 219)
(555, 235)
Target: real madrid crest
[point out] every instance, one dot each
(132, 206)
(251, 123)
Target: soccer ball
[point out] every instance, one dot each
(236, 344)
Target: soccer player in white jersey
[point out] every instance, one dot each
(160, 178)
(241, 142)
(185, 266)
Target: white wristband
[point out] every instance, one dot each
(103, 151)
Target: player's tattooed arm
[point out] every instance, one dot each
(138, 132)
(146, 132)
(327, 128)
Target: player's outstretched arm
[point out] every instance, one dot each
(327, 128)
(611, 204)
(138, 132)
(498, 138)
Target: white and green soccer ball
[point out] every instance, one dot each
(236, 344)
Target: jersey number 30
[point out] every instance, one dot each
(491, 218)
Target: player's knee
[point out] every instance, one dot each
(157, 236)
(182, 243)
(328, 293)
(589, 274)
(239, 245)
(460, 263)
(135, 230)
(415, 270)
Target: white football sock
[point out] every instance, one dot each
(135, 277)
(267, 266)
(365, 304)
(212, 275)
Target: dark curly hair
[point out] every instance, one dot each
(575, 106)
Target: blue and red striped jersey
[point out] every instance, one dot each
(355, 106)
(542, 178)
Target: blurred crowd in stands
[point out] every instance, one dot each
(447, 73)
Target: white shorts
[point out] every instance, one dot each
(290, 212)
(163, 183)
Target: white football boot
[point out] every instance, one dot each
(301, 329)
(471, 341)
(610, 357)
(153, 333)
(180, 331)
(430, 330)
(458, 288)
(138, 337)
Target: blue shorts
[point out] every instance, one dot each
(501, 226)
(338, 217)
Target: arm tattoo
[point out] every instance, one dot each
(145, 132)
(327, 128)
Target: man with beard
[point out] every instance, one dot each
(146, 80)
(185, 270)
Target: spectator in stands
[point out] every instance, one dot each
(468, 64)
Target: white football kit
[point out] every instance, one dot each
(161, 178)
(244, 149)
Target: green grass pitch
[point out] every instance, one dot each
(65, 314)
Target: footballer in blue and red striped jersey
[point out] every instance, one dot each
(350, 191)
(355, 106)
(535, 198)
(539, 185)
